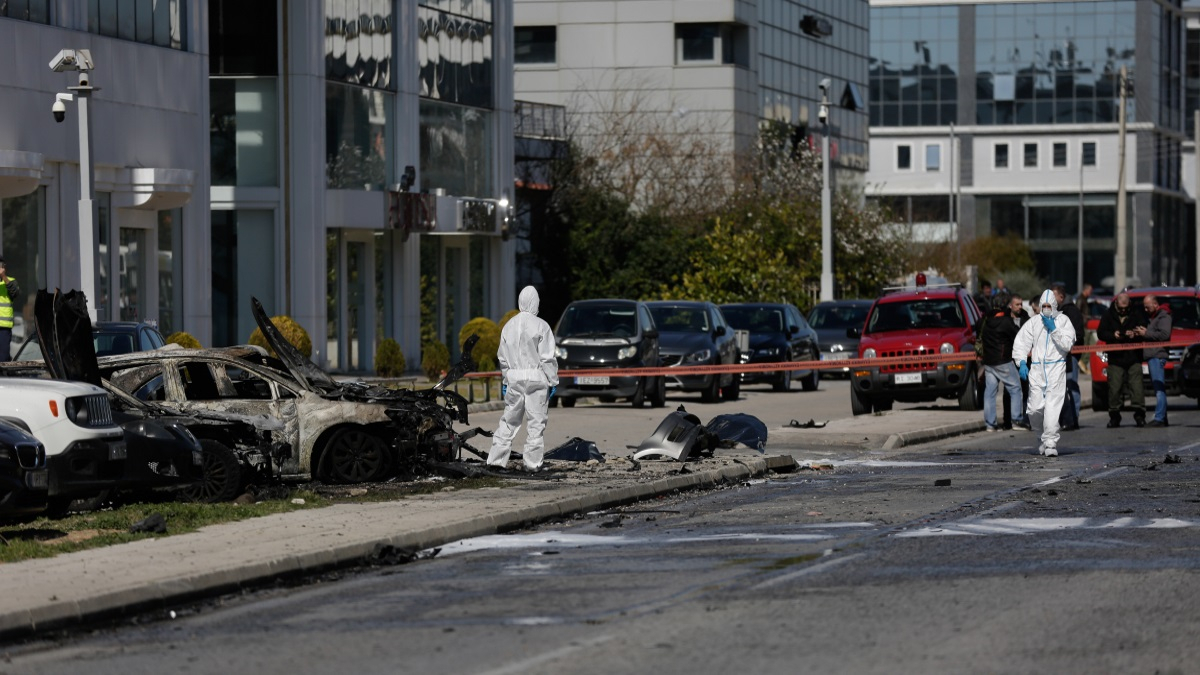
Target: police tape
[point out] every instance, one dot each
(929, 360)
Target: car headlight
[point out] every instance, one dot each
(77, 411)
(624, 352)
(698, 357)
(560, 353)
(869, 353)
(946, 348)
(770, 351)
(1103, 356)
(837, 348)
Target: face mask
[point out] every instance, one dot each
(1046, 311)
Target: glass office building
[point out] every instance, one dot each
(1032, 90)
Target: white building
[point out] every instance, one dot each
(252, 149)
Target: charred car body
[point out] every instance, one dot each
(340, 432)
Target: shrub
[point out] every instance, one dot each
(184, 340)
(292, 332)
(389, 359)
(489, 338)
(435, 359)
(508, 315)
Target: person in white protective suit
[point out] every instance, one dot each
(1041, 351)
(530, 374)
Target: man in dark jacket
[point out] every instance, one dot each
(1158, 329)
(998, 332)
(1018, 316)
(1122, 324)
(1069, 419)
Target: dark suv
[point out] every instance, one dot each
(778, 333)
(696, 334)
(912, 322)
(598, 334)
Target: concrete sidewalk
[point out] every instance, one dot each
(154, 573)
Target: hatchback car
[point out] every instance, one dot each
(593, 335)
(778, 333)
(696, 334)
(831, 319)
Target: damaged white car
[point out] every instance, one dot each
(333, 431)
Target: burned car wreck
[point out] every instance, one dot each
(318, 428)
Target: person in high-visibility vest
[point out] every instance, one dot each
(10, 292)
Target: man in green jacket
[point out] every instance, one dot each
(10, 293)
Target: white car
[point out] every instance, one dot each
(85, 450)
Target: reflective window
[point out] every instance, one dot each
(243, 265)
(358, 42)
(456, 152)
(1060, 154)
(933, 158)
(244, 131)
(914, 66)
(170, 275)
(455, 54)
(903, 156)
(242, 38)
(1031, 155)
(37, 11)
(157, 22)
(1001, 156)
(24, 222)
(535, 44)
(1089, 153)
(358, 121)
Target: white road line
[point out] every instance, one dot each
(819, 567)
(522, 666)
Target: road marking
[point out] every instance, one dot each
(1010, 526)
(525, 665)
(812, 569)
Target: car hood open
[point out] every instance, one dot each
(64, 330)
(306, 372)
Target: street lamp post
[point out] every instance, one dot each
(826, 206)
(81, 60)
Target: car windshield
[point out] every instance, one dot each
(755, 319)
(675, 319)
(598, 320)
(923, 313)
(838, 316)
(1185, 312)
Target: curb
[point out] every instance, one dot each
(961, 429)
(196, 585)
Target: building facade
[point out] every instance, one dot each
(718, 67)
(344, 161)
(1003, 118)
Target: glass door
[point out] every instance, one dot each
(132, 264)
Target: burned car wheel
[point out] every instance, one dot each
(222, 480)
(355, 456)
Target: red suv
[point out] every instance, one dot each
(1184, 304)
(913, 322)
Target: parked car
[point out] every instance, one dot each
(910, 322)
(696, 334)
(341, 432)
(778, 333)
(1184, 305)
(595, 335)
(108, 337)
(23, 474)
(1189, 372)
(831, 319)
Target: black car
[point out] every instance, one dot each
(696, 334)
(831, 319)
(597, 334)
(23, 475)
(778, 333)
(108, 338)
(1189, 375)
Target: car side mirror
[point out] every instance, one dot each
(853, 332)
(720, 331)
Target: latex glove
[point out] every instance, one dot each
(1024, 370)
(503, 390)
(552, 390)
(1048, 323)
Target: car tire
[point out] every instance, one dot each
(222, 480)
(568, 403)
(882, 404)
(968, 398)
(860, 404)
(638, 400)
(734, 390)
(811, 382)
(658, 398)
(784, 383)
(355, 455)
(1100, 396)
(712, 393)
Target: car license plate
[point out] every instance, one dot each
(908, 378)
(591, 380)
(1145, 369)
(37, 479)
(837, 356)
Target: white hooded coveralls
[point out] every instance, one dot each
(530, 369)
(1045, 352)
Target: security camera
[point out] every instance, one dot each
(72, 59)
(825, 84)
(59, 110)
(823, 114)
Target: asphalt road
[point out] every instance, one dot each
(969, 555)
